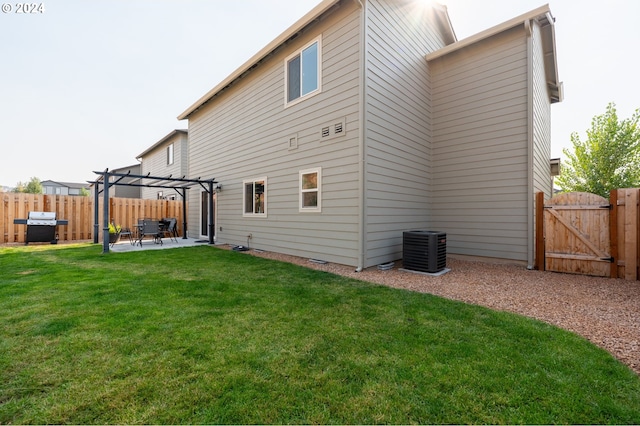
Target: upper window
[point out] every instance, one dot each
(255, 200)
(170, 155)
(302, 72)
(310, 185)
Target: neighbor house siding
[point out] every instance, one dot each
(244, 132)
(480, 151)
(155, 163)
(397, 152)
(124, 191)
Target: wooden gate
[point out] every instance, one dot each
(577, 234)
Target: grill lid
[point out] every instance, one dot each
(41, 218)
(42, 215)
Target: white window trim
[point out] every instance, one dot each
(244, 184)
(170, 154)
(286, 73)
(301, 191)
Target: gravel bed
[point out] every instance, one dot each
(603, 310)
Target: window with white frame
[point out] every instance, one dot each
(255, 197)
(310, 190)
(303, 72)
(170, 155)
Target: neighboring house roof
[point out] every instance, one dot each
(546, 20)
(73, 185)
(289, 34)
(132, 167)
(161, 141)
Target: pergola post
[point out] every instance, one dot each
(96, 216)
(105, 213)
(212, 226)
(184, 213)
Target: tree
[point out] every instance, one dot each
(34, 186)
(608, 159)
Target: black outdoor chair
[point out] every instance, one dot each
(126, 232)
(170, 228)
(149, 228)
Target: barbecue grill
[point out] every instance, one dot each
(41, 227)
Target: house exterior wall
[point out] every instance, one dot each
(244, 133)
(122, 191)
(541, 117)
(155, 163)
(55, 189)
(480, 147)
(398, 131)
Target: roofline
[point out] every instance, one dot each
(268, 49)
(445, 20)
(161, 141)
(75, 185)
(518, 20)
(543, 14)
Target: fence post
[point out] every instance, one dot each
(539, 261)
(613, 232)
(631, 234)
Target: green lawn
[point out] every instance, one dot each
(203, 335)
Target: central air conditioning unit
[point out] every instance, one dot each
(424, 251)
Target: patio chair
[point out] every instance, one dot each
(126, 232)
(171, 228)
(150, 228)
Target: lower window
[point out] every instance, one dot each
(255, 199)
(310, 190)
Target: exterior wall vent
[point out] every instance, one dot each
(334, 130)
(293, 142)
(424, 251)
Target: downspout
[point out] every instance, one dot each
(361, 138)
(530, 151)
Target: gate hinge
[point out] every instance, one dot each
(608, 207)
(608, 259)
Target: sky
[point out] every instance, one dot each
(89, 85)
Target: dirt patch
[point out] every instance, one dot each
(603, 310)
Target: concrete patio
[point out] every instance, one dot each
(148, 244)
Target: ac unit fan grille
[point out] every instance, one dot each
(424, 251)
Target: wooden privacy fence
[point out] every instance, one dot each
(80, 214)
(584, 233)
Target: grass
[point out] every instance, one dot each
(202, 335)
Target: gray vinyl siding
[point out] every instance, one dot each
(480, 150)
(155, 162)
(123, 191)
(541, 118)
(243, 133)
(397, 159)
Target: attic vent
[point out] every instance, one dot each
(335, 129)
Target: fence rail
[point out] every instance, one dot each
(79, 211)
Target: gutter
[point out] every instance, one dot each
(530, 150)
